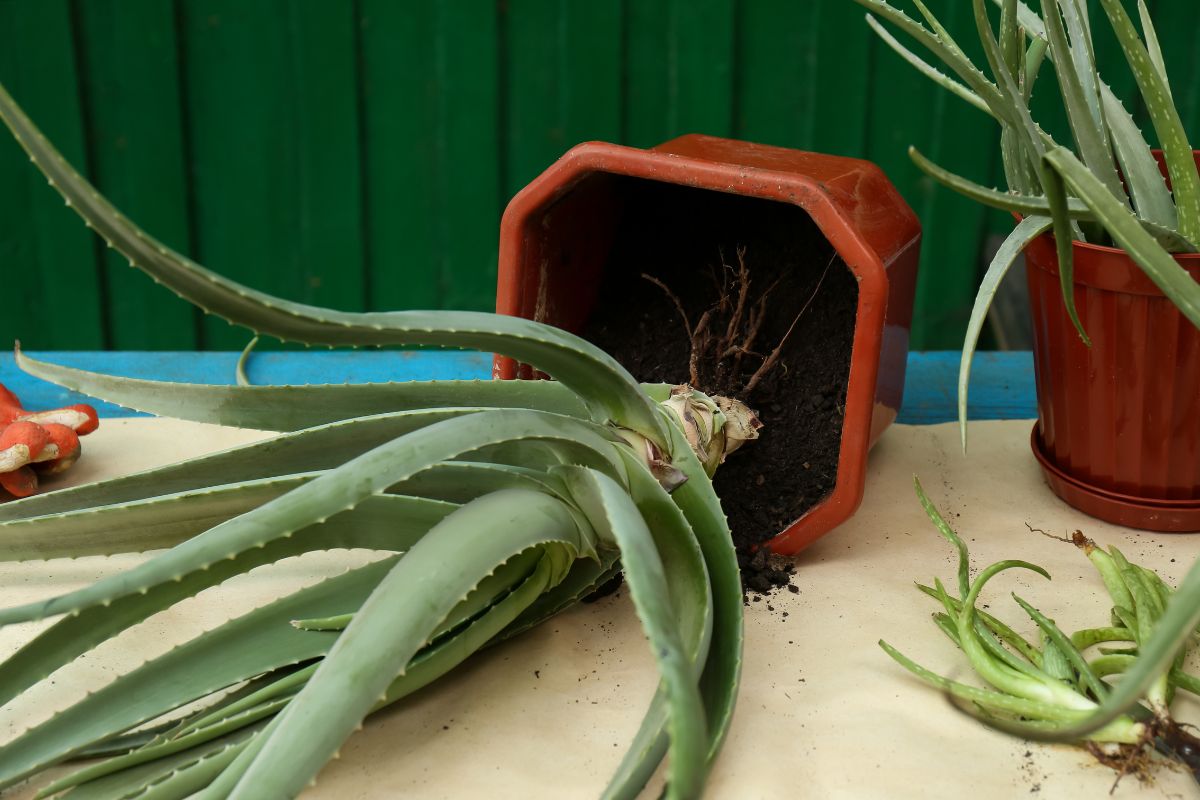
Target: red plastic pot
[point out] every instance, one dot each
(556, 234)
(1118, 430)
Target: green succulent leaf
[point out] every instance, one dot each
(1025, 232)
(1158, 264)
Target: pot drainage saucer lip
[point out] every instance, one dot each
(1152, 514)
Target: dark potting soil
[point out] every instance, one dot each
(683, 237)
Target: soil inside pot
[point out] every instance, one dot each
(683, 237)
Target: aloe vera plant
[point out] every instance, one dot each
(1108, 189)
(1056, 688)
(498, 504)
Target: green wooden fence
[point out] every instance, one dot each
(358, 153)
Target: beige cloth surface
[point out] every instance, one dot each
(823, 713)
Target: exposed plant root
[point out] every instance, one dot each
(726, 332)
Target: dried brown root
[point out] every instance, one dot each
(1164, 738)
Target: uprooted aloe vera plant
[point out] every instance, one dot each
(1056, 689)
(498, 504)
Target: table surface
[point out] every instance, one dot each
(821, 711)
(1001, 383)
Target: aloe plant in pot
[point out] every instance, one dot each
(1110, 225)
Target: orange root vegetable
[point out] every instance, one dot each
(43, 442)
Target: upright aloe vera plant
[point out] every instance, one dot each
(1109, 188)
(498, 504)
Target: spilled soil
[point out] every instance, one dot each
(694, 244)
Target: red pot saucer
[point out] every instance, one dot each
(1151, 514)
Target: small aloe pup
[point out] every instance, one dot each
(498, 504)
(1056, 689)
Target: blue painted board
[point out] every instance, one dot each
(1001, 386)
(266, 368)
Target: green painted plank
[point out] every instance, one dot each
(1175, 21)
(964, 140)
(842, 83)
(562, 81)
(401, 153)
(905, 110)
(776, 75)
(130, 77)
(49, 260)
(272, 107)
(679, 69)
(469, 219)
(432, 153)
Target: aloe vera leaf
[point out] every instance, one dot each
(948, 533)
(319, 448)
(1018, 172)
(1083, 58)
(1089, 637)
(661, 600)
(172, 777)
(1154, 659)
(278, 683)
(988, 698)
(722, 669)
(951, 55)
(1065, 647)
(1181, 164)
(1008, 660)
(926, 69)
(1028, 19)
(585, 577)
(996, 626)
(1143, 608)
(675, 609)
(1035, 55)
(608, 390)
(291, 408)
(1111, 663)
(1011, 39)
(136, 527)
(1158, 265)
(338, 490)
(1056, 193)
(1076, 76)
(1013, 108)
(390, 628)
(274, 697)
(385, 522)
(235, 651)
(986, 637)
(1033, 205)
(1025, 205)
(1055, 663)
(1185, 681)
(1149, 191)
(239, 372)
(1020, 685)
(424, 669)
(1014, 244)
(1153, 50)
(462, 481)
(178, 744)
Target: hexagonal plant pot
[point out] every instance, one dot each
(831, 251)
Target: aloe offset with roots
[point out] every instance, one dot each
(1057, 689)
(1109, 189)
(498, 503)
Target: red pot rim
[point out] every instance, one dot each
(828, 188)
(1105, 268)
